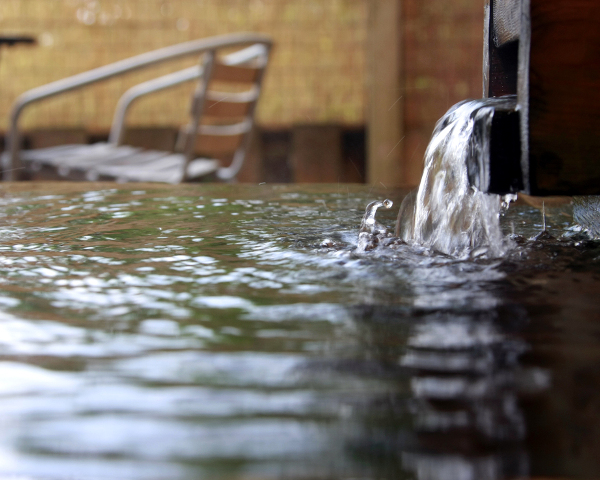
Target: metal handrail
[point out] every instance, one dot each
(141, 89)
(137, 62)
(171, 80)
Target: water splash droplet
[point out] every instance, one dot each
(369, 224)
(371, 231)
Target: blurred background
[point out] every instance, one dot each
(352, 93)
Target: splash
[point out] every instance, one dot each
(586, 212)
(446, 213)
(371, 231)
(369, 224)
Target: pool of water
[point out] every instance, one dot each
(232, 332)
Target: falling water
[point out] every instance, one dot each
(448, 214)
(586, 212)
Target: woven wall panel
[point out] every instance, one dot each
(317, 73)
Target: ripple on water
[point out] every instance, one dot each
(138, 341)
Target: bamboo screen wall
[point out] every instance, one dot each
(316, 75)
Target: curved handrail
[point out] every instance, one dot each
(137, 62)
(145, 88)
(240, 57)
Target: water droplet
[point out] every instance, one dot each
(182, 24)
(46, 39)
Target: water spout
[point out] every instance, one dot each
(447, 213)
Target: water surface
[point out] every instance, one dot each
(210, 331)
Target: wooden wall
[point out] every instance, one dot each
(561, 96)
(390, 67)
(316, 74)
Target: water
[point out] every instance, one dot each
(231, 332)
(446, 213)
(586, 212)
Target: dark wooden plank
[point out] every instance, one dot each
(251, 169)
(235, 74)
(562, 98)
(353, 155)
(155, 138)
(50, 137)
(317, 154)
(276, 165)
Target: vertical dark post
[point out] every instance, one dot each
(559, 96)
(502, 167)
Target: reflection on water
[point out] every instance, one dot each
(237, 332)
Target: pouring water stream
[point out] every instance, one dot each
(447, 214)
